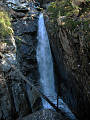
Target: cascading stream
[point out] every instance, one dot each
(45, 64)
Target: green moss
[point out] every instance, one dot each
(5, 24)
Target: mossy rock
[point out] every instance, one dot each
(5, 24)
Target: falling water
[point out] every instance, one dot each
(45, 64)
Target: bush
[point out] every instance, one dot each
(5, 24)
(71, 19)
(62, 8)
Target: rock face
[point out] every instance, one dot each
(71, 61)
(13, 96)
(45, 115)
(25, 30)
(17, 99)
(44, 3)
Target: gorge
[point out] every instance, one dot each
(50, 48)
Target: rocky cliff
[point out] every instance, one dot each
(68, 31)
(18, 48)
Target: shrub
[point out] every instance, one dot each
(5, 24)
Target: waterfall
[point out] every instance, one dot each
(45, 64)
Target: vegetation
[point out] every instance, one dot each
(67, 7)
(5, 24)
(75, 12)
(60, 8)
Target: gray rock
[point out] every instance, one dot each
(26, 43)
(0, 114)
(45, 115)
(71, 66)
(5, 105)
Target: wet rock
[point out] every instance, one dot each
(45, 115)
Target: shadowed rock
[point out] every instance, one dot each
(45, 115)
